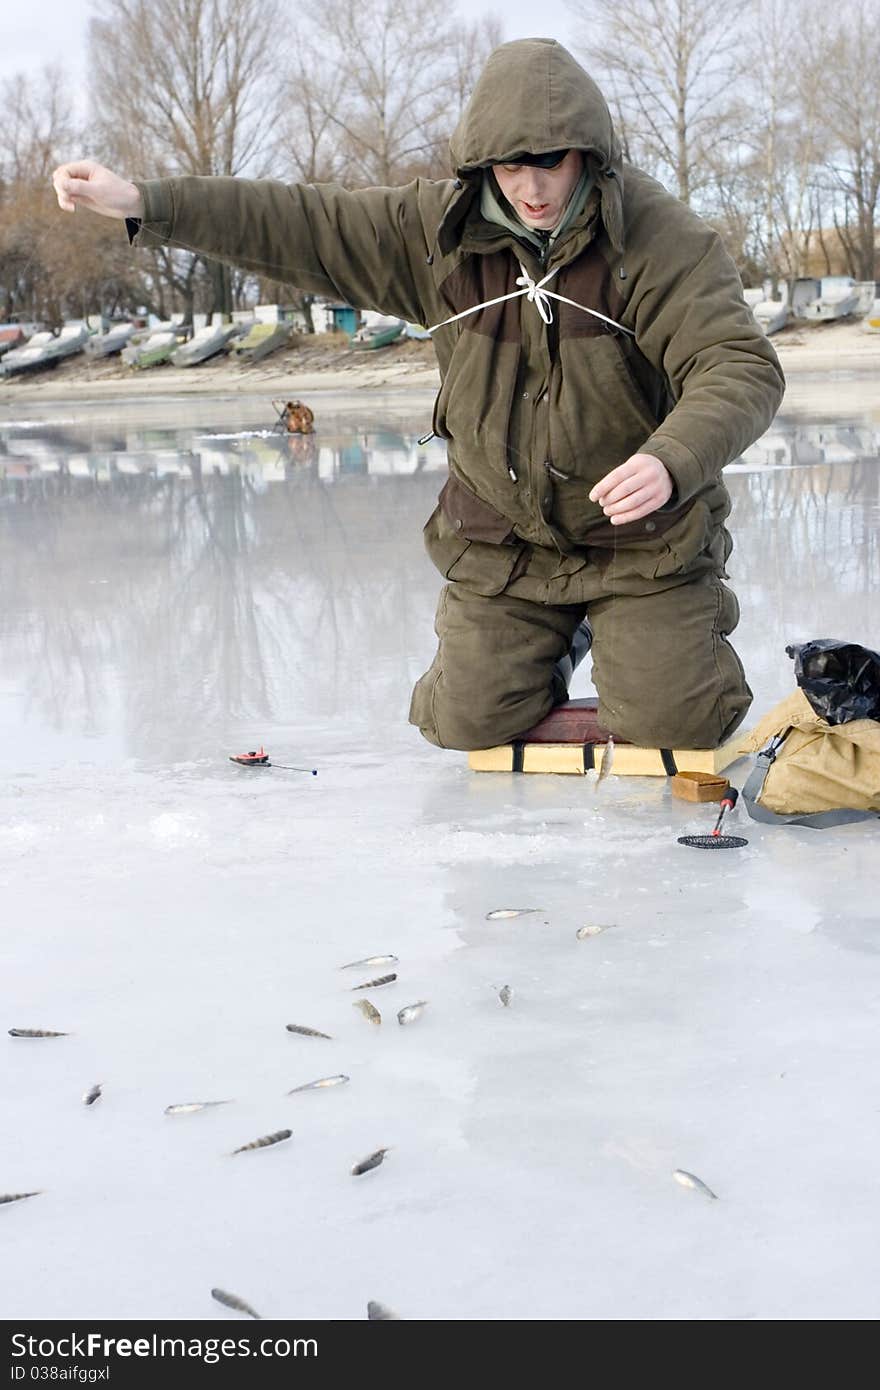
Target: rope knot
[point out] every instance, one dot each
(535, 293)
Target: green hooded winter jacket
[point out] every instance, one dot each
(534, 413)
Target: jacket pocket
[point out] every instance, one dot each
(482, 565)
(471, 516)
(679, 545)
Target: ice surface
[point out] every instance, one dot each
(171, 600)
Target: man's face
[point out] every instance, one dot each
(538, 196)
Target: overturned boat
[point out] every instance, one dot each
(205, 343)
(772, 314)
(377, 334)
(46, 349)
(154, 350)
(12, 336)
(823, 301)
(260, 340)
(111, 342)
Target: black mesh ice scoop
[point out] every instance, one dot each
(716, 840)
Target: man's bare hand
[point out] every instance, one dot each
(85, 184)
(634, 489)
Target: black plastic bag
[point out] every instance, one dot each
(841, 680)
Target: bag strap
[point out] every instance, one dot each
(815, 820)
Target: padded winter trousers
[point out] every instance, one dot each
(665, 673)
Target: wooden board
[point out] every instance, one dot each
(629, 761)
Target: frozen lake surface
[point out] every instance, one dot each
(179, 585)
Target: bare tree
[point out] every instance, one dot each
(841, 59)
(671, 67)
(185, 87)
(408, 67)
(37, 125)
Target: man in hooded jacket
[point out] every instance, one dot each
(599, 368)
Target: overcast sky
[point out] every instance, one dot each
(36, 32)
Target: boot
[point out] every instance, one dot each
(581, 643)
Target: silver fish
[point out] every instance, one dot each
(366, 1164)
(505, 994)
(592, 929)
(231, 1300)
(606, 762)
(35, 1033)
(412, 1012)
(691, 1180)
(501, 914)
(370, 961)
(318, 1085)
(267, 1139)
(190, 1107)
(378, 1312)
(93, 1094)
(305, 1032)
(16, 1197)
(374, 984)
(369, 1011)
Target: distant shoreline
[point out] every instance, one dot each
(830, 369)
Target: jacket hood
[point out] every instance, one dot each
(533, 97)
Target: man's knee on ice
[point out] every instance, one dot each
(475, 720)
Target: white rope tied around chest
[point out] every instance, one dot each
(536, 294)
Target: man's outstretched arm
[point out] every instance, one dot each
(367, 247)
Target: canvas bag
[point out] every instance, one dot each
(810, 772)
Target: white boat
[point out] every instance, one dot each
(155, 350)
(772, 314)
(114, 340)
(45, 349)
(206, 342)
(837, 298)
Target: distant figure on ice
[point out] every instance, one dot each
(599, 368)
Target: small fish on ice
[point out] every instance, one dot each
(93, 1094)
(592, 929)
(192, 1106)
(505, 994)
(367, 1164)
(35, 1033)
(501, 914)
(323, 1082)
(305, 1032)
(369, 962)
(374, 984)
(16, 1197)
(265, 1141)
(231, 1300)
(379, 1312)
(691, 1180)
(411, 1012)
(369, 1011)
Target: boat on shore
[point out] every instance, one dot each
(11, 336)
(377, 335)
(109, 343)
(772, 314)
(261, 340)
(823, 301)
(156, 348)
(45, 349)
(205, 343)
